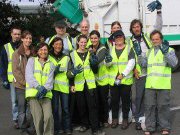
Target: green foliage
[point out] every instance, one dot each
(9, 15)
(40, 24)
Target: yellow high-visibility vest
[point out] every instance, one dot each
(158, 73)
(119, 65)
(61, 82)
(102, 77)
(86, 75)
(41, 75)
(9, 51)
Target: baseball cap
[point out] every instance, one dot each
(61, 24)
(118, 33)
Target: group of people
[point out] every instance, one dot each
(66, 81)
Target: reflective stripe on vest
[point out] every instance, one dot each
(119, 65)
(41, 76)
(148, 41)
(9, 51)
(158, 73)
(61, 81)
(87, 74)
(102, 75)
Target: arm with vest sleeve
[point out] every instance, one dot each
(3, 65)
(50, 81)
(159, 22)
(69, 74)
(17, 73)
(29, 74)
(101, 55)
(171, 59)
(131, 63)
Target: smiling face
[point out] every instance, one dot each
(156, 39)
(16, 35)
(43, 52)
(82, 44)
(57, 46)
(27, 40)
(94, 40)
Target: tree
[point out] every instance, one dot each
(9, 15)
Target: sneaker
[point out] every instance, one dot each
(138, 126)
(99, 132)
(83, 129)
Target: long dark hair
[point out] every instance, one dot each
(133, 23)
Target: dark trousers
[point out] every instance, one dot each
(60, 101)
(139, 102)
(86, 104)
(123, 92)
(103, 106)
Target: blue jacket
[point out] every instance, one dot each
(4, 61)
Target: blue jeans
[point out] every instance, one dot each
(61, 119)
(14, 103)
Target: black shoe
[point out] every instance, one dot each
(125, 124)
(138, 126)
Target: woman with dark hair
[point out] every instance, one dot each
(39, 83)
(84, 86)
(101, 75)
(115, 26)
(121, 78)
(61, 87)
(19, 61)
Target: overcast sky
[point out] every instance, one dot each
(26, 2)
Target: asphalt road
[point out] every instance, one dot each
(6, 127)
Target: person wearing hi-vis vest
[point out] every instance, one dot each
(159, 61)
(84, 86)
(142, 40)
(60, 28)
(115, 26)
(6, 68)
(39, 76)
(60, 91)
(101, 75)
(121, 78)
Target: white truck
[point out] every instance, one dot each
(101, 13)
